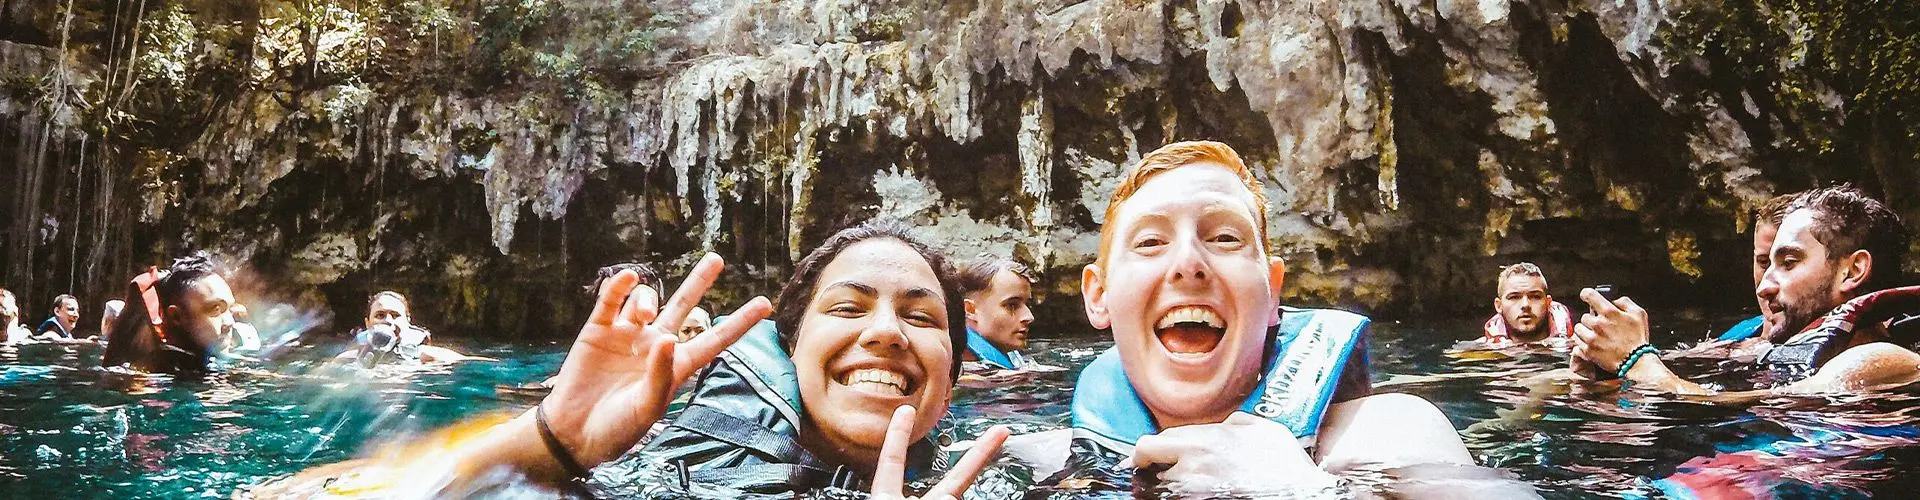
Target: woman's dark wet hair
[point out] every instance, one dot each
(798, 293)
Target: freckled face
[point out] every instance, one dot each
(874, 337)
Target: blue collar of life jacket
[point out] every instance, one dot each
(987, 352)
(1308, 356)
(1743, 330)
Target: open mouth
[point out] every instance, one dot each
(877, 381)
(1190, 330)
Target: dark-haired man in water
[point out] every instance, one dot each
(175, 319)
(66, 315)
(1834, 244)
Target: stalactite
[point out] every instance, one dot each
(1398, 140)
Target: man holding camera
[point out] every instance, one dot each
(1834, 245)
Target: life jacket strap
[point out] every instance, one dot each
(150, 297)
(1806, 351)
(740, 432)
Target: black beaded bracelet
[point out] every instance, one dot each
(559, 451)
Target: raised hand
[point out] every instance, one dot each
(889, 476)
(1612, 331)
(623, 368)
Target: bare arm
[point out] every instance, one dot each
(615, 382)
(1860, 368)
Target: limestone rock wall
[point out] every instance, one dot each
(486, 156)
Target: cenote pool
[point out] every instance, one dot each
(69, 430)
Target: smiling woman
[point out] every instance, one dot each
(857, 364)
(870, 322)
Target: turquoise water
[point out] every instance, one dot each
(73, 431)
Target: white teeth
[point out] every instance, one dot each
(877, 380)
(1191, 314)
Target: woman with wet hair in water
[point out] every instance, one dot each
(854, 370)
(389, 335)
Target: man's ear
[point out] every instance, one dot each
(1276, 276)
(1093, 291)
(1855, 270)
(172, 314)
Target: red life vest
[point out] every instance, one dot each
(151, 298)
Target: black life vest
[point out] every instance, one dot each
(1804, 353)
(740, 430)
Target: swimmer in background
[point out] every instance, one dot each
(698, 321)
(1766, 225)
(1834, 245)
(390, 334)
(1524, 313)
(59, 327)
(998, 292)
(10, 316)
(998, 296)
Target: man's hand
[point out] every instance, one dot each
(1611, 332)
(889, 476)
(1244, 454)
(624, 366)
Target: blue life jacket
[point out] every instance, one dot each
(1309, 353)
(989, 354)
(1744, 330)
(741, 426)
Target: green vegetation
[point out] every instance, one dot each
(1794, 56)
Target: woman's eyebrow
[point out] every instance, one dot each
(862, 288)
(921, 292)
